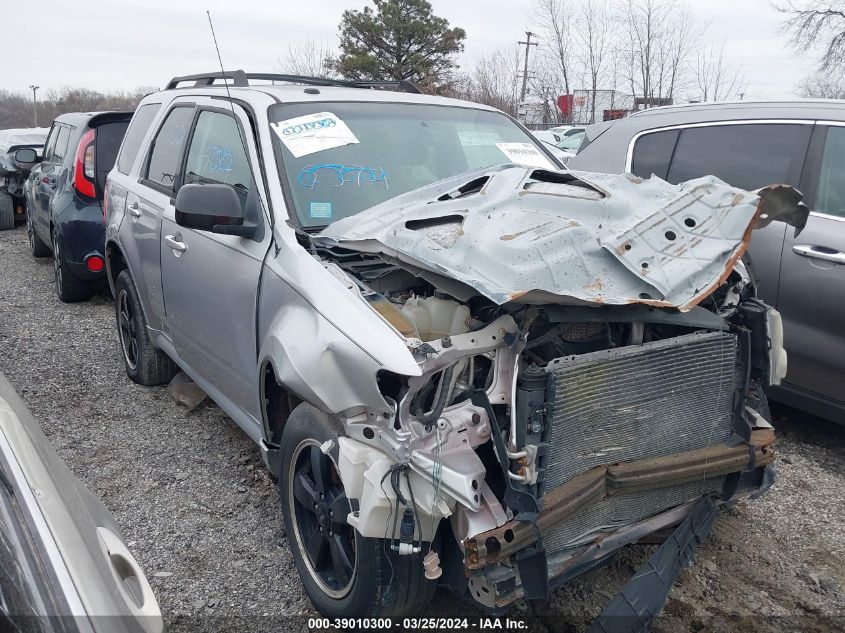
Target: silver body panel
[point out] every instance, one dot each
(79, 543)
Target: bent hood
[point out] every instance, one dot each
(536, 236)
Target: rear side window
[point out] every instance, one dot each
(830, 197)
(135, 135)
(166, 150)
(60, 149)
(652, 154)
(747, 156)
(109, 136)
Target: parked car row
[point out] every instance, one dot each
(466, 366)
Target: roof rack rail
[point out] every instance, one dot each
(239, 78)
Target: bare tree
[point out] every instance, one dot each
(817, 23)
(820, 86)
(311, 58)
(552, 18)
(492, 80)
(715, 77)
(594, 43)
(659, 38)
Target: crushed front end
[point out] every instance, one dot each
(553, 423)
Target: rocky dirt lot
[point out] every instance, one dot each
(201, 514)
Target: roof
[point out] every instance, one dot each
(23, 136)
(796, 105)
(308, 91)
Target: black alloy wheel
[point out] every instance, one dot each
(127, 328)
(319, 510)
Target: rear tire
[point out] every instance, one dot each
(376, 582)
(145, 364)
(69, 288)
(38, 248)
(7, 212)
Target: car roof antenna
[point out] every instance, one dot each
(241, 133)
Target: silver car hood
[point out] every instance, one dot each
(534, 236)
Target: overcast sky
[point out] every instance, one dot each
(124, 44)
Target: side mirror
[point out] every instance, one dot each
(214, 207)
(26, 156)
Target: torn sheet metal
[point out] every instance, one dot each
(537, 236)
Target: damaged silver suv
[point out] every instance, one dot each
(465, 365)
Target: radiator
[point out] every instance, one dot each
(632, 403)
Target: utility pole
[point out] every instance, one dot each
(528, 44)
(34, 105)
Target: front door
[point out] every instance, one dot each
(812, 280)
(210, 280)
(46, 178)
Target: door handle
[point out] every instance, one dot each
(814, 251)
(175, 242)
(134, 210)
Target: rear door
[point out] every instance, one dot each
(210, 280)
(147, 204)
(812, 280)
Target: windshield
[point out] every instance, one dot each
(571, 143)
(341, 158)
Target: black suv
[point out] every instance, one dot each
(65, 196)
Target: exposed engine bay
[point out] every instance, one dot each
(544, 422)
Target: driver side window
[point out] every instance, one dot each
(217, 156)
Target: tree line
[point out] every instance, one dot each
(16, 108)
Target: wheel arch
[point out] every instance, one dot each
(115, 262)
(277, 403)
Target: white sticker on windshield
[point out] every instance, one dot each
(313, 133)
(525, 154)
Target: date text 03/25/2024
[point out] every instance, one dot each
(417, 624)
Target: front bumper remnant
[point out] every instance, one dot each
(589, 487)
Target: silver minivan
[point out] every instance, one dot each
(751, 145)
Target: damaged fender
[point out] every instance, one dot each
(331, 367)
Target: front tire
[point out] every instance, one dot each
(145, 364)
(344, 573)
(69, 288)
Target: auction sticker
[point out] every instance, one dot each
(525, 154)
(313, 133)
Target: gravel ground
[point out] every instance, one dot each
(200, 513)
